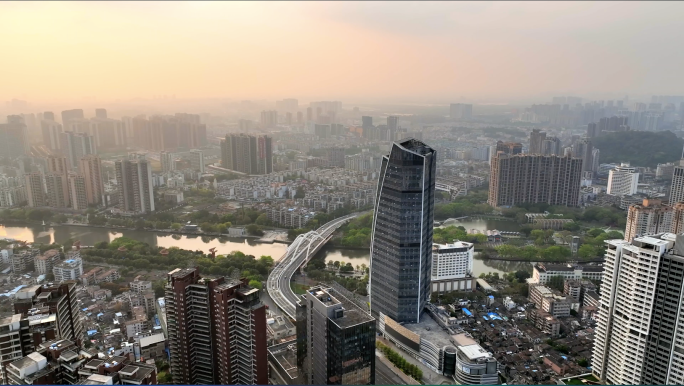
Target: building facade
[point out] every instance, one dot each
(622, 180)
(640, 328)
(134, 180)
(452, 267)
(216, 330)
(532, 178)
(247, 154)
(401, 244)
(340, 339)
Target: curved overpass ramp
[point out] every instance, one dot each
(299, 253)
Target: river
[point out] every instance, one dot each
(224, 245)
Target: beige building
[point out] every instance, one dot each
(45, 262)
(35, 190)
(57, 190)
(91, 169)
(77, 190)
(534, 178)
(134, 180)
(649, 218)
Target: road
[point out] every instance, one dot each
(297, 254)
(385, 376)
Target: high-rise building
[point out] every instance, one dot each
(35, 190)
(108, 134)
(51, 131)
(401, 244)
(639, 334)
(461, 111)
(336, 156)
(75, 146)
(60, 297)
(57, 186)
(196, 160)
(537, 138)
(134, 180)
(182, 131)
(168, 161)
(649, 218)
(69, 269)
(68, 115)
(677, 186)
(533, 178)
(49, 116)
(309, 114)
(216, 330)
(269, 119)
(14, 137)
(366, 122)
(101, 113)
(300, 117)
(622, 180)
(340, 340)
(584, 149)
(508, 148)
(247, 154)
(552, 146)
(91, 170)
(77, 192)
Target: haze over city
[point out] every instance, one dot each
(342, 193)
(406, 52)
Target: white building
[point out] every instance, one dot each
(649, 218)
(542, 273)
(677, 187)
(6, 255)
(640, 332)
(452, 267)
(69, 269)
(622, 180)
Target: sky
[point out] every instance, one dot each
(383, 51)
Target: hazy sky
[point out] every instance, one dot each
(394, 51)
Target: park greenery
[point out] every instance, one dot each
(357, 233)
(451, 233)
(317, 269)
(594, 215)
(473, 203)
(131, 253)
(402, 364)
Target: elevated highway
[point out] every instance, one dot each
(297, 255)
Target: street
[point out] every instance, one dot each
(385, 376)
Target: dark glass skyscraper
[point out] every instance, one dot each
(401, 246)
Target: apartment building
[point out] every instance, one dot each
(69, 269)
(47, 260)
(639, 335)
(134, 180)
(216, 330)
(534, 178)
(542, 272)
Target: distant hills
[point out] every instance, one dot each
(639, 148)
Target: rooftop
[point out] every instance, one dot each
(429, 330)
(475, 352)
(286, 358)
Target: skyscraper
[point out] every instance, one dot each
(77, 192)
(584, 149)
(640, 331)
(134, 182)
(216, 330)
(552, 146)
(247, 154)
(14, 138)
(677, 186)
(269, 119)
(57, 190)
(49, 116)
(91, 169)
(35, 190)
(401, 244)
(196, 160)
(75, 146)
(537, 138)
(101, 113)
(68, 115)
(340, 339)
(51, 131)
(460, 111)
(534, 178)
(168, 161)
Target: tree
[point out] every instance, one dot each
(300, 193)
(254, 230)
(615, 235)
(587, 251)
(221, 228)
(521, 276)
(347, 268)
(262, 219)
(571, 226)
(583, 362)
(176, 226)
(595, 232)
(60, 218)
(255, 284)
(336, 264)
